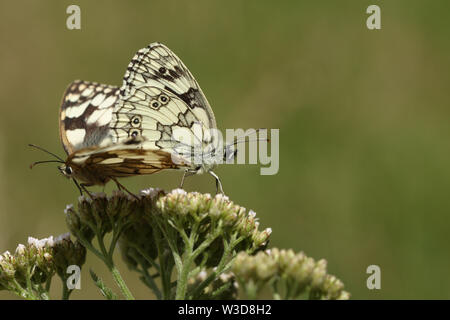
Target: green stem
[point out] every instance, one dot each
(48, 284)
(65, 291)
(107, 258)
(219, 291)
(22, 292)
(150, 282)
(165, 269)
(43, 294)
(120, 283)
(183, 276)
(147, 278)
(146, 257)
(222, 266)
(185, 265)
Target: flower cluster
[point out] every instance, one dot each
(99, 214)
(291, 275)
(32, 265)
(183, 245)
(194, 207)
(224, 287)
(185, 230)
(159, 232)
(66, 253)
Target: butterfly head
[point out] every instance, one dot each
(66, 170)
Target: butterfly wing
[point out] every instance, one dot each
(138, 129)
(85, 115)
(157, 66)
(161, 102)
(123, 159)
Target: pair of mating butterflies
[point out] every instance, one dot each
(110, 132)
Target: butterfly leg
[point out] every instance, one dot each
(83, 187)
(121, 187)
(187, 173)
(78, 186)
(219, 188)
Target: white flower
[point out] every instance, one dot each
(147, 192)
(202, 275)
(62, 237)
(32, 241)
(47, 242)
(178, 191)
(20, 249)
(226, 276)
(221, 196)
(41, 243)
(68, 208)
(6, 255)
(47, 256)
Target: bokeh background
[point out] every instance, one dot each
(363, 116)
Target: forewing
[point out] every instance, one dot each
(85, 115)
(157, 66)
(161, 101)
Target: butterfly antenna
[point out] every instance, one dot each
(237, 141)
(44, 161)
(243, 141)
(46, 151)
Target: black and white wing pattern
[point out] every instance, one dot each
(85, 115)
(161, 102)
(159, 119)
(123, 159)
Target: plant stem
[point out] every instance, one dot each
(185, 265)
(65, 291)
(120, 283)
(183, 277)
(147, 278)
(22, 292)
(165, 270)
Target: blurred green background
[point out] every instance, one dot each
(363, 116)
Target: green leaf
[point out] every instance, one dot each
(105, 291)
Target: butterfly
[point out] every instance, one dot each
(159, 119)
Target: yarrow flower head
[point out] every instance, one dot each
(214, 248)
(35, 263)
(296, 272)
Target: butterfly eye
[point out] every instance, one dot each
(163, 99)
(68, 170)
(155, 104)
(162, 70)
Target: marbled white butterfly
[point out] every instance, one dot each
(110, 132)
